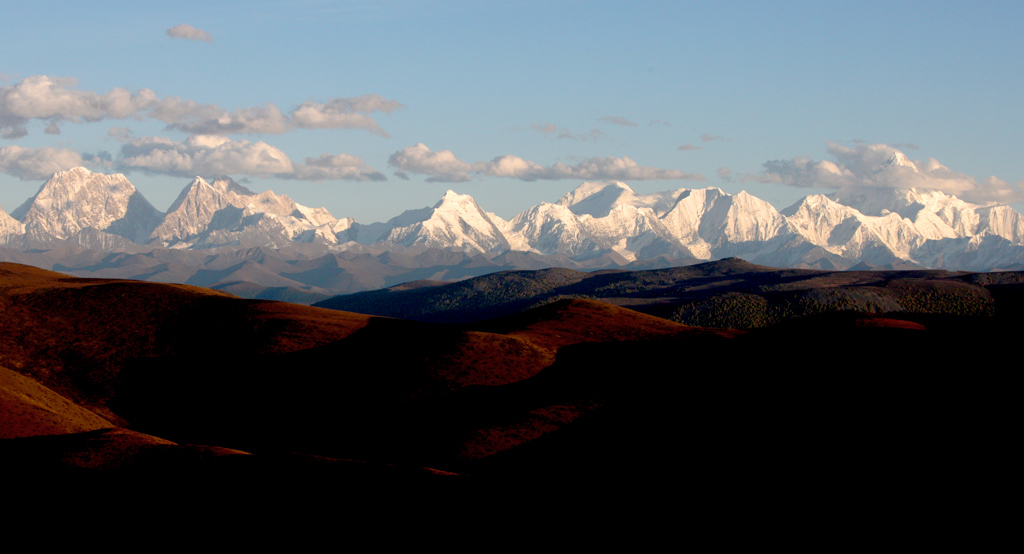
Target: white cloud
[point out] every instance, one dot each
(867, 165)
(443, 166)
(804, 172)
(36, 163)
(189, 32)
(706, 137)
(619, 169)
(218, 155)
(689, 146)
(55, 100)
(204, 155)
(344, 113)
(259, 120)
(339, 167)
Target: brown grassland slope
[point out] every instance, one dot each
(29, 409)
(76, 335)
(155, 380)
(195, 365)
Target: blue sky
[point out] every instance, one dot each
(662, 95)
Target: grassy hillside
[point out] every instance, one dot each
(157, 382)
(727, 294)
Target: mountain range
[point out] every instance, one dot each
(219, 233)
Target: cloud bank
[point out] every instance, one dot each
(881, 165)
(219, 155)
(189, 32)
(56, 100)
(29, 164)
(443, 166)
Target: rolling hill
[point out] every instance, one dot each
(155, 382)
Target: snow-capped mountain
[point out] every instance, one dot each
(456, 222)
(598, 224)
(78, 199)
(9, 227)
(901, 160)
(699, 223)
(224, 212)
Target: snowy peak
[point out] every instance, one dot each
(457, 202)
(898, 159)
(597, 220)
(598, 199)
(223, 210)
(456, 221)
(78, 199)
(194, 188)
(193, 212)
(228, 185)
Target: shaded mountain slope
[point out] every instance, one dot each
(193, 366)
(572, 392)
(76, 335)
(728, 293)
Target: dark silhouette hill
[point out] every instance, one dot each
(203, 388)
(729, 293)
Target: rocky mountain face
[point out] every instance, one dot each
(456, 222)
(596, 225)
(207, 215)
(9, 227)
(78, 200)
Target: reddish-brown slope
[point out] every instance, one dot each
(76, 335)
(207, 368)
(516, 347)
(28, 409)
(577, 321)
(548, 330)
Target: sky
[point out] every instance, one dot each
(370, 108)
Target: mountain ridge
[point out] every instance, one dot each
(594, 226)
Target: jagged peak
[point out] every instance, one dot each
(71, 183)
(198, 181)
(79, 174)
(899, 159)
(224, 183)
(77, 170)
(454, 200)
(812, 202)
(588, 189)
(598, 198)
